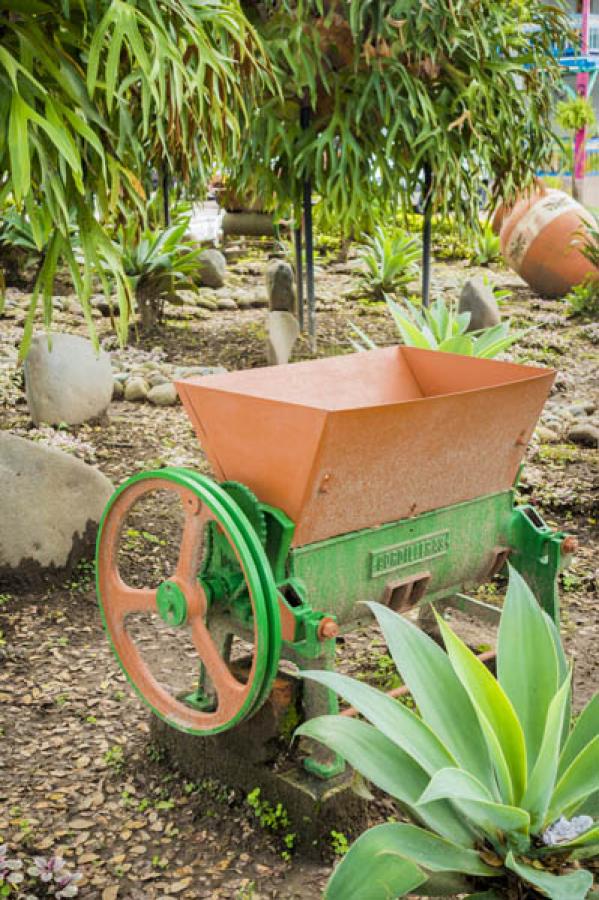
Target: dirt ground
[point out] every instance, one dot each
(79, 775)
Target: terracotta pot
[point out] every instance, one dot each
(351, 442)
(537, 240)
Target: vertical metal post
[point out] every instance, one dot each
(309, 241)
(427, 235)
(299, 276)
(166, 184)
(582, 86)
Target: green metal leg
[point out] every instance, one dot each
(538, 554)
(320, 701)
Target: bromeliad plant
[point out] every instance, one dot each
(500, 789)
(391, 257)
(157, 264)
(440, 327)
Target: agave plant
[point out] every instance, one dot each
(488, 246)
(440, 327)
(157, 264)
(391, 257)
(500, 790)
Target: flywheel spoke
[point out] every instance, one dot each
(126, 600)
(192, 540)
(228, 689)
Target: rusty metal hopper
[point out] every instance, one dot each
(354, 441)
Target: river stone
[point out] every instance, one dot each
(53, 503)
(212, 268)
(586, 435)
(136, 388)
(478, 299)
(163, 395)
(117, 390)
(155, 378)
(226, 303)
(68, 383)
(283, 329)
(280, 286)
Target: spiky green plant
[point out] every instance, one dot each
(391, 257)
(440, 327)
(157, 264)
(488, 246)
(93, 98)
(484, 769)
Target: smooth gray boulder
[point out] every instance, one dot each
(163, 394)
(213, 266)
(68, 382)
(280, 286)
(478, 299)
(283, 330)
(51, 506)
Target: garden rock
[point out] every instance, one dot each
(478, 299)
(55, 504)
(136, 389)
(226, 303)
(546, 435)
(117, 390)
(586, 435)
(212, 268)
(163, 395)
(67, 383)
(280, 286)
(283, 329)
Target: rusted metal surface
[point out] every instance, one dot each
(351, 442)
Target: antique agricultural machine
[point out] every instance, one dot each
(387, 476)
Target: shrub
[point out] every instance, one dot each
(157, 264)
(488, 247)
(583, 299)
(440, 327)
(391, 257)
(499, 788)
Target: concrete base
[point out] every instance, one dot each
(258, 754)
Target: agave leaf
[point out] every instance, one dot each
(542, 778)
(460, 343)
(443, 884)
(496, 713)
(579, 781)
(372, 870)
(476, 802)
(384, 764)
(574, 886)
(393, 719)
(439, 694)
(585, 729)
(400, 841)
(527, 665)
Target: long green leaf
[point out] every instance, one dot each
(541, 782)
(393, 719)
(527, 665)
(585, 729)
(369, 871)
(579, 781)
(574, 886)
(475, 801)
(383, 763)
(439, 694)
(496, 713)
